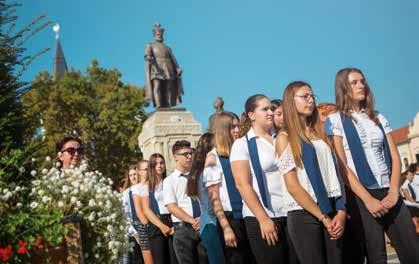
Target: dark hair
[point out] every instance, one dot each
(249, 106)
(343, 94)
(205, 145)
(275, 103)
(151, 171)
(180, 144)
(412, 167)
(127, 182)
(60, 144)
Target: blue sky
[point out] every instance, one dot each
(236, 48)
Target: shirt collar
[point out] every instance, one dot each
(362, 111)
(179, 173)
(251, 133)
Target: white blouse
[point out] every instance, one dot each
(371, 139)
(158, 194)
(286, 164)
(127, 211)
(274, 182)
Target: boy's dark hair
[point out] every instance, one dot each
(180, 144)
(60, 144)
(412, 167)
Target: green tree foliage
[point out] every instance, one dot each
(14, 151)
(97, 107)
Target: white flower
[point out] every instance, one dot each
(48, 158)
(57, 164)
(92, 203)
(33, 205)
(22, 169)
(65, 189)
(19, 205)
(41, 192)
(33, 172)
(97, 256)
(33, 159)
(60, 204)
(73, 199)
(44, 171)
(79, 204)
(106, 234)
(45, 199)
(59, 154)
(18, 188)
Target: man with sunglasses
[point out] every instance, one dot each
(70, 151)
(185, 211)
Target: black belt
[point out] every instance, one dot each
(181, 224)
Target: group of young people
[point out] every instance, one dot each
(290, 182)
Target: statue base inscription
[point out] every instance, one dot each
(163, 128)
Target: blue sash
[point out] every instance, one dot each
(233, 193)
(311, 165)
(412, 191)
(196, 210)
(134, 216)
(154, 204)
(363, 169)
(254, 158)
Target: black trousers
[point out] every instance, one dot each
(161, 246)
(396, 224)
(354, 251)
(311, 239)
(264, 253)
(188, 246)
(241, 254)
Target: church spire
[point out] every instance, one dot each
(60, 65)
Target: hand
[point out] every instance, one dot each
(327, 222)
(375, 207)
(338, 225)
(229, 237)
(390, 200)
(195, 224)
(179, 72)
(165, 230)
(269, 231)
(172, 231)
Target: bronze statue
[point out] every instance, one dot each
(163, 74)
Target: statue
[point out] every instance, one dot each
(163, 74)
(219, 107)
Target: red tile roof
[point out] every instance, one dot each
(400, 135)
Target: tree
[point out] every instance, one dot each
(14, 151)
(97, 107)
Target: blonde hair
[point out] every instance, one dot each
(222, 125)
(293, 124)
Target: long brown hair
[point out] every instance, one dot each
(127, 182)
(343, 94)
(151, 171)
(205, 145)
(223, 123)
(249, 106)
(293, 124)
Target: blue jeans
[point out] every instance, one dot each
(212, 244)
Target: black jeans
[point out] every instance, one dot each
(161, 246)
(189, 247)
(397, 225)
(311, 239)
(264, 253)
(241, 254)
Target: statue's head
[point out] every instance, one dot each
(158, 32)
(219, 104)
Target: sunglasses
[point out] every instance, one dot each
(73, 151)
(185, 154)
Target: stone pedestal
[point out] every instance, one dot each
(163, 128)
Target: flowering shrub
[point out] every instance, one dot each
(21, 225)
(89, 194)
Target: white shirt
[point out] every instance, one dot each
(286, 163)
(174, 191)
(371, 139)
(274, 182)
(158, 194)
(127, 211)
(217, 174)
(414, 186)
